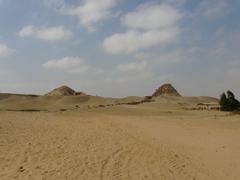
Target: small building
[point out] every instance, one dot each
(208, 106)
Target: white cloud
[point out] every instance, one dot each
(132, 67)
(90, 11)
(51, 34)
(133, 41)
(27, 31)
(71, 64)
(149, 25)
(4, 51)
(151, 16)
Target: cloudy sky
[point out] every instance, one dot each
(120, 47)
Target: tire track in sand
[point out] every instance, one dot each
(137, 158)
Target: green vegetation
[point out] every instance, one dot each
(228, 102)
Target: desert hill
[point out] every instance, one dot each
(66, 98)
(61, 98)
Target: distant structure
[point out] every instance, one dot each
(166, 90)
(208, 106)
(64, 91)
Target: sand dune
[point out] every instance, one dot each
(54, 103)
(16, 102)
(65, 98)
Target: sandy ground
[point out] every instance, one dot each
(119, 143)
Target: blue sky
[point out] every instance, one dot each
(120, 47)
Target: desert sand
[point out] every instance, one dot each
(157, 140)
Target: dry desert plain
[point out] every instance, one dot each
(156, 140)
